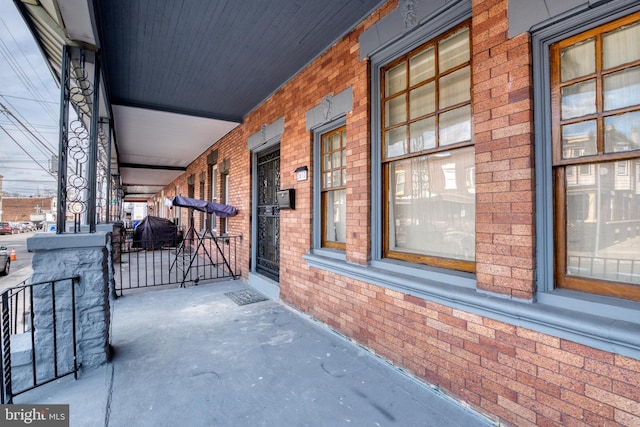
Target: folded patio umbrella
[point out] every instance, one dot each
(220, 210)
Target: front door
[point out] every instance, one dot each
(268, 233)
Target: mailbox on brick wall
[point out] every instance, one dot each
(286, 198)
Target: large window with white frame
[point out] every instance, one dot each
(428, 158)
(595, 97)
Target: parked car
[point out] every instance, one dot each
(6, 228)
(17, 227)
(28, 226)
(5, 261)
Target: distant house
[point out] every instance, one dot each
(21, 209)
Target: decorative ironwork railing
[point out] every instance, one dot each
(86, 193)
(148, 263)
(37, 335)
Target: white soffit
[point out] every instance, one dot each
(158, 138)
(77, 20)
(147, 177)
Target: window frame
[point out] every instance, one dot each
(386, 162)
(598, 307)
(560, 165)
(317, 132)
(324, 191)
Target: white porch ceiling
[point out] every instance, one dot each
(181, 75)
(160, 145)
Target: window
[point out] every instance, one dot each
(334, 193)
(595, 82)
(214, 193)
(428, 155)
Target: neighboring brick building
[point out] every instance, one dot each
(20, 209)
(463, 272)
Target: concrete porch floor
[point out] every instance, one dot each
(193, 357)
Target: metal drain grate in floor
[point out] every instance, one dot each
(245, 297)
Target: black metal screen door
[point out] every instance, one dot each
(268, 237)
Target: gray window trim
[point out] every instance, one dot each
(603, 323)
(442, 21)
(330, 114)
(317, 186)
(619, 314)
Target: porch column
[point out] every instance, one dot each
(57, 256)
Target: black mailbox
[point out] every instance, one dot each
(286, 198)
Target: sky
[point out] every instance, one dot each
(29, 131)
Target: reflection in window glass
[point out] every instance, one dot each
(601, 207)
(423, 134)
(622, 132)
(434, 213)
(578, 60)
(579, 99)
(333, 192)
(336, 226)
(430, 188)
(595, 86)
(395, 142)
(579, 139)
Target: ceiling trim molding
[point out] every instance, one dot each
(157, 167)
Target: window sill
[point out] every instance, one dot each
(569, 315)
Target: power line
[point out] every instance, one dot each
(15, 65)
(18, 144)
(35, 125)
(27, 99)
(9, 113)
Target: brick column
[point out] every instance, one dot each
(503, 120)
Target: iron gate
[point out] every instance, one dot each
(268, 236)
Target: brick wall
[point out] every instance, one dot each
(515, 375)
(20, 209)
(520, 376)
(503, 137)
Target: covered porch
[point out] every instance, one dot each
(195, 357)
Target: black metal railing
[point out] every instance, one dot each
(616, 269)
(37, 335)
(146, 263)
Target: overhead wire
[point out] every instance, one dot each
(10, 115)
(32, 89)
(23, 149)
(21, 121)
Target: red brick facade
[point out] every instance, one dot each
(20, 209)
(515, 375)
